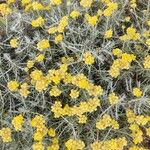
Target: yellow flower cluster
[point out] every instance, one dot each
(74, 94)
(58, 38)
(39, 57)
(94, 90)
(13, 85)
(135, 122)
(35, 6)
(56, 2)
(67, 60)
(137, 92)
(55, 91)
(137, 148)
(38, 80)
(41, 82)
(117, 52)
(39, 22)
(5, 133)
(38, 146)
(108, 34)
(10, 1)
(80, 81)
(25, 2)
(86, 3)
(72, 144)
(120, 64)
(17, 122)
(24, 90)
(105, 122)
(113, 144)
(5, 9)
(138, 119)
(30, 64)
(82, 119)
(14, 43)
(74, 14)
(133, 3)
(54, 145)
(39, 123)
(43, 44)
(137, 134)
(111, 7)
(113, 98)
(84, 107)
(146, 62)
(63, 23)
(148, 43)
(51, 132)
(92, 20)
(131, 34)
(57, 75)
(41, 131)
(88, 58)
(148, 131)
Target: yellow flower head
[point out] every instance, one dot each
(148, 22)
(92, 20)
(56, 2)
(113, 98)
(51, 132)
(62, 24)
(39, 58)
(137, 92)
(36, 75)
(86, 3)
(24, 90)
(82, 119)
(4, 9)
(10, 1)
(88, 58)
(37, 6)
(30, 64)
(106, 121)
(43, 44)
(146, 62)
(58, 38)
(74, 144)
(148, 42)
(127, 19)
(131, 34)
(108, 34)
(39, 22)
(38, 121)
(5, 133)
(117, 52)
(114, 144)
(52, 30)
(55, 91)
(74, 14)
(14, 43)
(74, 94)
(25, 2)
(38, 146)
(112, 5)
(13, 86)
(17, 122)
